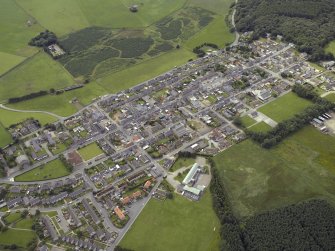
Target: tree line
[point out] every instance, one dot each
(287, 127)
(200, 52)
(27, 97)
(44, 39)
(309, 24)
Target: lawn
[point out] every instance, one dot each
(247, 121)
(331, 47)
(177, 224)
(14, 32)
(285, 107)
(39, 72)
(260, 127)
(24, 223)
(8, 61)
(330, 97)
(5, 137)
(299, 168)
(50, 213)
(90, 151)
(182, 162)
(8, 118)
(52, 170)
(12, 217)
(19, 237)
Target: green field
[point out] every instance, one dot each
(178, 224)
(247, 121)
(24, 223)
(299, 168)
(12, 217)
(90, 151)
(52, 170)
(19, 237)
(330, 97)
(8, 118)
(182, 162)
(260, 127)
(39, 72)
(284, 107)
(8, 61)
(331, 47)
(5, 137)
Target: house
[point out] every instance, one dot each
(50, 228)
(147, 184)
(91, 211)
(119, 213)
(264, 95)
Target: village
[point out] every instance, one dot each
(117, 153)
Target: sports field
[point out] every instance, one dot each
(90, 151)
(299, 168)
(178, 224)
(260, 127)
(285, 107)
(52, 170)
(8, 118)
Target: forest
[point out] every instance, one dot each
(309, 24)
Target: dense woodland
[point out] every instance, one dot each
(305, 226)
(307, 23)
(44, 39)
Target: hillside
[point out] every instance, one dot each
(307, 23)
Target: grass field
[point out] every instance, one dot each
(5, 137)
(182, 162)
(13, 217)
(8, 61)
(331, 97)
(260, 127)
(37, 73)
(285, 107)
(19, 237)
(299, 168)
(52, 170)
(247, 121)
(8, 118)
(177, 224)
(90, 151)
(331, 47)
(24, 223)
(14, 32)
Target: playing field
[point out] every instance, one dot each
(285, 107)
(8, 118)
(5, 137)
(299, 168)
(331, 48)
(52, 170)
(39, 72)
(260, 127)
(19, 237)
(178, 224)
(90, 151)
(8, 61)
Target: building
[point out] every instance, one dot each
(191, 174)
(119, 213)
(192, 193)
(50, 228)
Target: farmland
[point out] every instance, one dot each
(51, 170)
(177, 224)
(299, 168)
(285, 107)
(8, 61)
(90, 151)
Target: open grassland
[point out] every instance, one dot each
(217, 6)
(178, 224)
(331, 97)
(37, 73)
(19, 237)
(8, 118)
(299, 168)
(52, 170)
(285, 107)
(182, 162)
(331, 48)
(14, 31)
(247, 121)
(90, 151)
(260, 127)
(5, 137)
(8, 61)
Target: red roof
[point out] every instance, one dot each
(119, 213)
(147, 184)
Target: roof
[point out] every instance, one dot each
(119, 213)
(192, 190)
(191, 174)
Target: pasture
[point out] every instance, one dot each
(8, 61)
(260, 127)
(178, 224)
(52, 170)
(285, 107)
(90, 151)
(299, 168)
(8, 118)
(37, 73)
